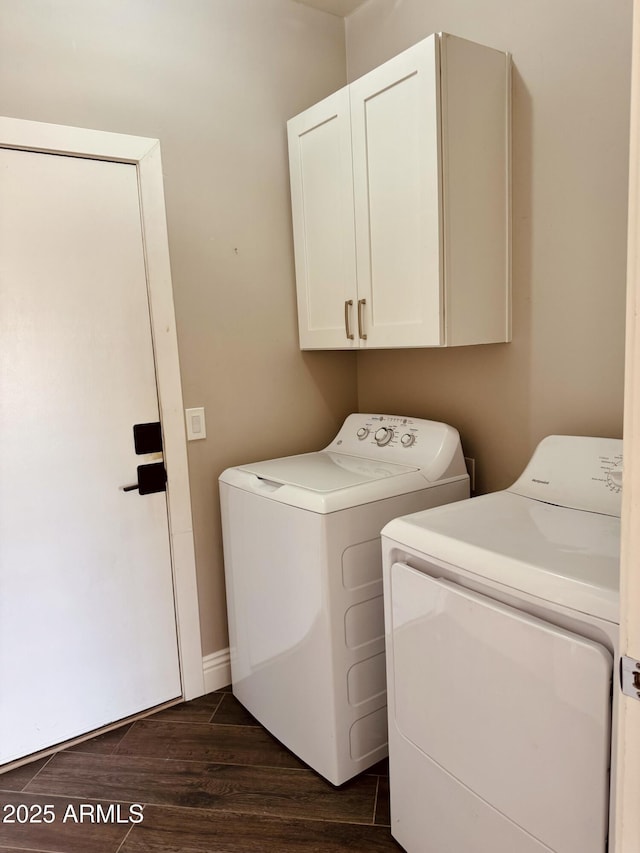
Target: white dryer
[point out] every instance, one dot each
(502, 617)
(303, 573)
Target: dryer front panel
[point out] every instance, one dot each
(516, 710)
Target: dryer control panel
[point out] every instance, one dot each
(432, 446)
(579, 472)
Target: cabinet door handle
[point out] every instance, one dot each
(347, 308)
(361, 304)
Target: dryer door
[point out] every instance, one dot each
(515, 709)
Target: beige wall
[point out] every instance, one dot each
(563, 372)
(215, 81)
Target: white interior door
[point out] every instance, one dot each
(87, 621)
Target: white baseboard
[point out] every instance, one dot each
(216, 669)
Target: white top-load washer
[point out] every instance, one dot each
(502, 620)
(303, 575)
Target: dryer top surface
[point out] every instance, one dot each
(558, 554)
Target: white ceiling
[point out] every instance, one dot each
(335, 7)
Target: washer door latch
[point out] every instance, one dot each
(630, 677)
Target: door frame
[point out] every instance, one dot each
(144, 154)
(627, 818)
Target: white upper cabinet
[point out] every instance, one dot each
(401, 203)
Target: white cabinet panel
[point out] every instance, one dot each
(322, 199)
(400, 196)
(476, 192)
(394, 113)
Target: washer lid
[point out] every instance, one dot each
(324, 471)
(558, 554)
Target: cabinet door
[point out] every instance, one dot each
(396, 141)
(323, 228)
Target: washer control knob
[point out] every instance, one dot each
(362, 433)
(383, 436)
(407, 439)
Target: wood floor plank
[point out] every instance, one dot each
(381, 768)
(17, 850)
(230, 712)
(218, 787)
(166, 830)
(199, 710)
(383, 806)
(103, 744)
(60, 836)
(208, 743)
(15, 780)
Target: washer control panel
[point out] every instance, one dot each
(388, 429)
(413, 442)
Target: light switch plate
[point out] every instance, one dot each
(196, 426)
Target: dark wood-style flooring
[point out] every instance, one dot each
(205, 776)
